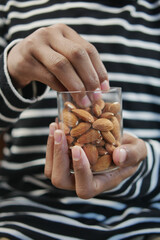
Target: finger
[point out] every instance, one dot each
(41, 74)
(62, 69)
(50, 150)
(79, 58)
(26, 68)
(108, 181)
(83, 174)
(61, 176)
(93, 55)
(81, 62)
(89, 185)
(130, 153)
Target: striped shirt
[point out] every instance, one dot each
(127, 37)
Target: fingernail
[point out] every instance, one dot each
(57, 137)
(76, 153)
(97, 94)
(122, 155)
(85, 101)
(105, 85)
(52, 129)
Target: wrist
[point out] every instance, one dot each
(14, 68)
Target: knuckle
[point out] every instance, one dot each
(31, 40)
(61, 63)
(29, 44)
(83, 194)
(78, 52)
(78, 168)
(60, 26)
(91, 50)
(47, 172)
(41, 32)
(56, 182)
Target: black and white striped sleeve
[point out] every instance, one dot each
(145, 183)
(12, 101)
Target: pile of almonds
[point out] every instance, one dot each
(96, 129)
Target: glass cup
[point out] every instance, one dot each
(97, 128)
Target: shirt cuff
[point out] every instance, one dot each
(26, 96)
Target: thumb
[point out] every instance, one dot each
(130, 154)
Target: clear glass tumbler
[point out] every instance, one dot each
(97, 128)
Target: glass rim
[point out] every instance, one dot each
(111, 89)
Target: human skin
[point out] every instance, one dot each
(60, 58)
(57, 166)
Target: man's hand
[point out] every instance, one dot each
(87, 185)
(60, 58)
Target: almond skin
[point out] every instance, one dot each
(102, 124)
(80, 129)
(110, 148)
(91, 153)
(102, 164)
(108, 136)
(100, 143)
(101, 103)
(107, 115)
(83, 115)
(70, 119)
(70, 139)
(97, 110)
(101, 151)
(90, 136)
(106, 107)
(114, 107)
(69, 105)
(116, 128)
(64, 127)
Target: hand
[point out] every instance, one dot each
(60, 58)
(87, 185)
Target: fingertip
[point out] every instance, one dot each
(85, 101)
(52, 127)
(58, 136)
(76, 153)
(119, 156)
(79, 157)
(105, 85)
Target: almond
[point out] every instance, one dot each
(100, 143)
(81, 128)
(91, 153)
(108, 136)
(101, 103)
(97, 110)
(110, 148)
(102, 164)
(70, 119)
(119, 118)
(90, 136)
(79, 144)
(101, 151)
(107, 115)
(117, 144)
(70, 139)
(114, 107)
(102, 124)
(84, 115)
(69, 105)
(106, 107)
(116, 128)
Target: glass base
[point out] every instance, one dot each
(108, 170)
